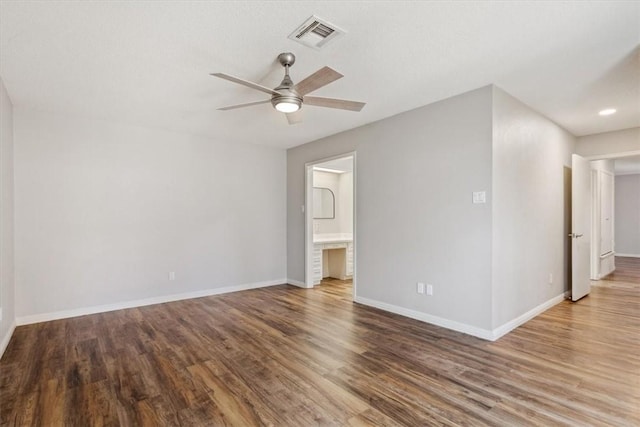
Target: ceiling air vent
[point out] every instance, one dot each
(315, 33)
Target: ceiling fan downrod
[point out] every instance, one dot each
(288, 100)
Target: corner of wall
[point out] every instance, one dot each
(7, 284)
(530, 156)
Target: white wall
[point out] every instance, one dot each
(7, 288)
(608, 143)
(415, 222)
(627, 214)
(330, 181)
(104, 211)
(342, 187)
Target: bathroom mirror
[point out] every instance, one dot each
(324, 203)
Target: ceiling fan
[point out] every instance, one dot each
(289, 97)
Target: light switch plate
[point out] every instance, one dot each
(479, 197)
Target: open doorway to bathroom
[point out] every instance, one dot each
(330, 217)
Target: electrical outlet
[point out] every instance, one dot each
(420, 288)
(551, 278)
(429, 289)
(172, 275)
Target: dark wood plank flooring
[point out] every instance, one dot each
(284, 356)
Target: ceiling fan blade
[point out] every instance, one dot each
(248, 104)
(322, 77)
(294, 118)
(246, 83)
(333, 103)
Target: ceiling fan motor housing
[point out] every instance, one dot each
(286, 92)
(287, 96)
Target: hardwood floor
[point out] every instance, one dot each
(627, 271)
(285, 356)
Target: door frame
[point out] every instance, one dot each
(596, 220)
(308, 218)
(595, 257)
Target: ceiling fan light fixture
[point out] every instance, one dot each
(286, 104)
(287, 107)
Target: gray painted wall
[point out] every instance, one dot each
(606, 143)
(415, 176)
(104, 211)
(530, 154)
(415, 221)
(7, 288)
(627, 214)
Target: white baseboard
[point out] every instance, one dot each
(5, 340)
(485, 334)
(45, 317)
(628, 255)
(523, 318)
(297, 283)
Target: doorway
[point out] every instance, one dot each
(615, 212)
(330, 238)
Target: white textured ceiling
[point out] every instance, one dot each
(148, 63)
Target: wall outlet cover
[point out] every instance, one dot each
(479, 197)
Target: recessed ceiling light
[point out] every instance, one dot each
(607, 112)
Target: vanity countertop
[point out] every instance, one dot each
(333, 238)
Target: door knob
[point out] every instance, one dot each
(575, 236)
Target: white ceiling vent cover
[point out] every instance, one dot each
(316, 32)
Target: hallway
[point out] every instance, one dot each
(627, 273)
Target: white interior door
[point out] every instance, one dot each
(580, 227)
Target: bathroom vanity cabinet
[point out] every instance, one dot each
(332, 257)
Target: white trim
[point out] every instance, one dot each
(308, 218)
(297, 283)
(5, 340)
(485, 334)
(45, 317)
(514, 323)
(628, 255)
(354, 226)
(308, 226)
(608, 254)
